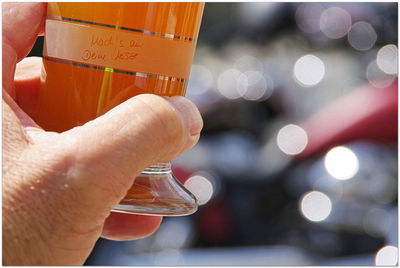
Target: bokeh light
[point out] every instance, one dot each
(255, 14)
(382, 190)
(252, 85)
(309, 70)
(362, 36)
(335, 22)
(271, 159)
(377, 221)
(387, 256)
(377, 77)
(200, 80)
(387, 59)
(316, 206)
(248, 63)
(292, 139)
(227, 83)
(308, 16)
(341, 163)
(201, 187)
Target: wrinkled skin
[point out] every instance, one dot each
(58, 188)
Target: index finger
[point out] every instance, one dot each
(21, 24)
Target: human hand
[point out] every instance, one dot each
(58, 188)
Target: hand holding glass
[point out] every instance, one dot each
(97, 55)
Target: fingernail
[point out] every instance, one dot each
(189, 113)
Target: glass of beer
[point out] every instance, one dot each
(97, 55)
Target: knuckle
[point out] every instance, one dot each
(168, 119)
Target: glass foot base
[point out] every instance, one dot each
(156, 191)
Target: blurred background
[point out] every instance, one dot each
(298, 159)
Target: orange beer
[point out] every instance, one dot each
(128, 49)
(97, 55)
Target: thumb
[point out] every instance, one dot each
(107, 153)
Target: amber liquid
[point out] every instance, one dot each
(72, 94)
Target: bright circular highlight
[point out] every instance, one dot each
(387, 59)
(335, 22)
(252, 86)
(316, 206)
(201, 188)
(362, 36)
(387, 256)
(341, 163)
(292, 139)
(200, 80)
(309, 70)
(248, 63)
(228, 83)
(377, 77)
